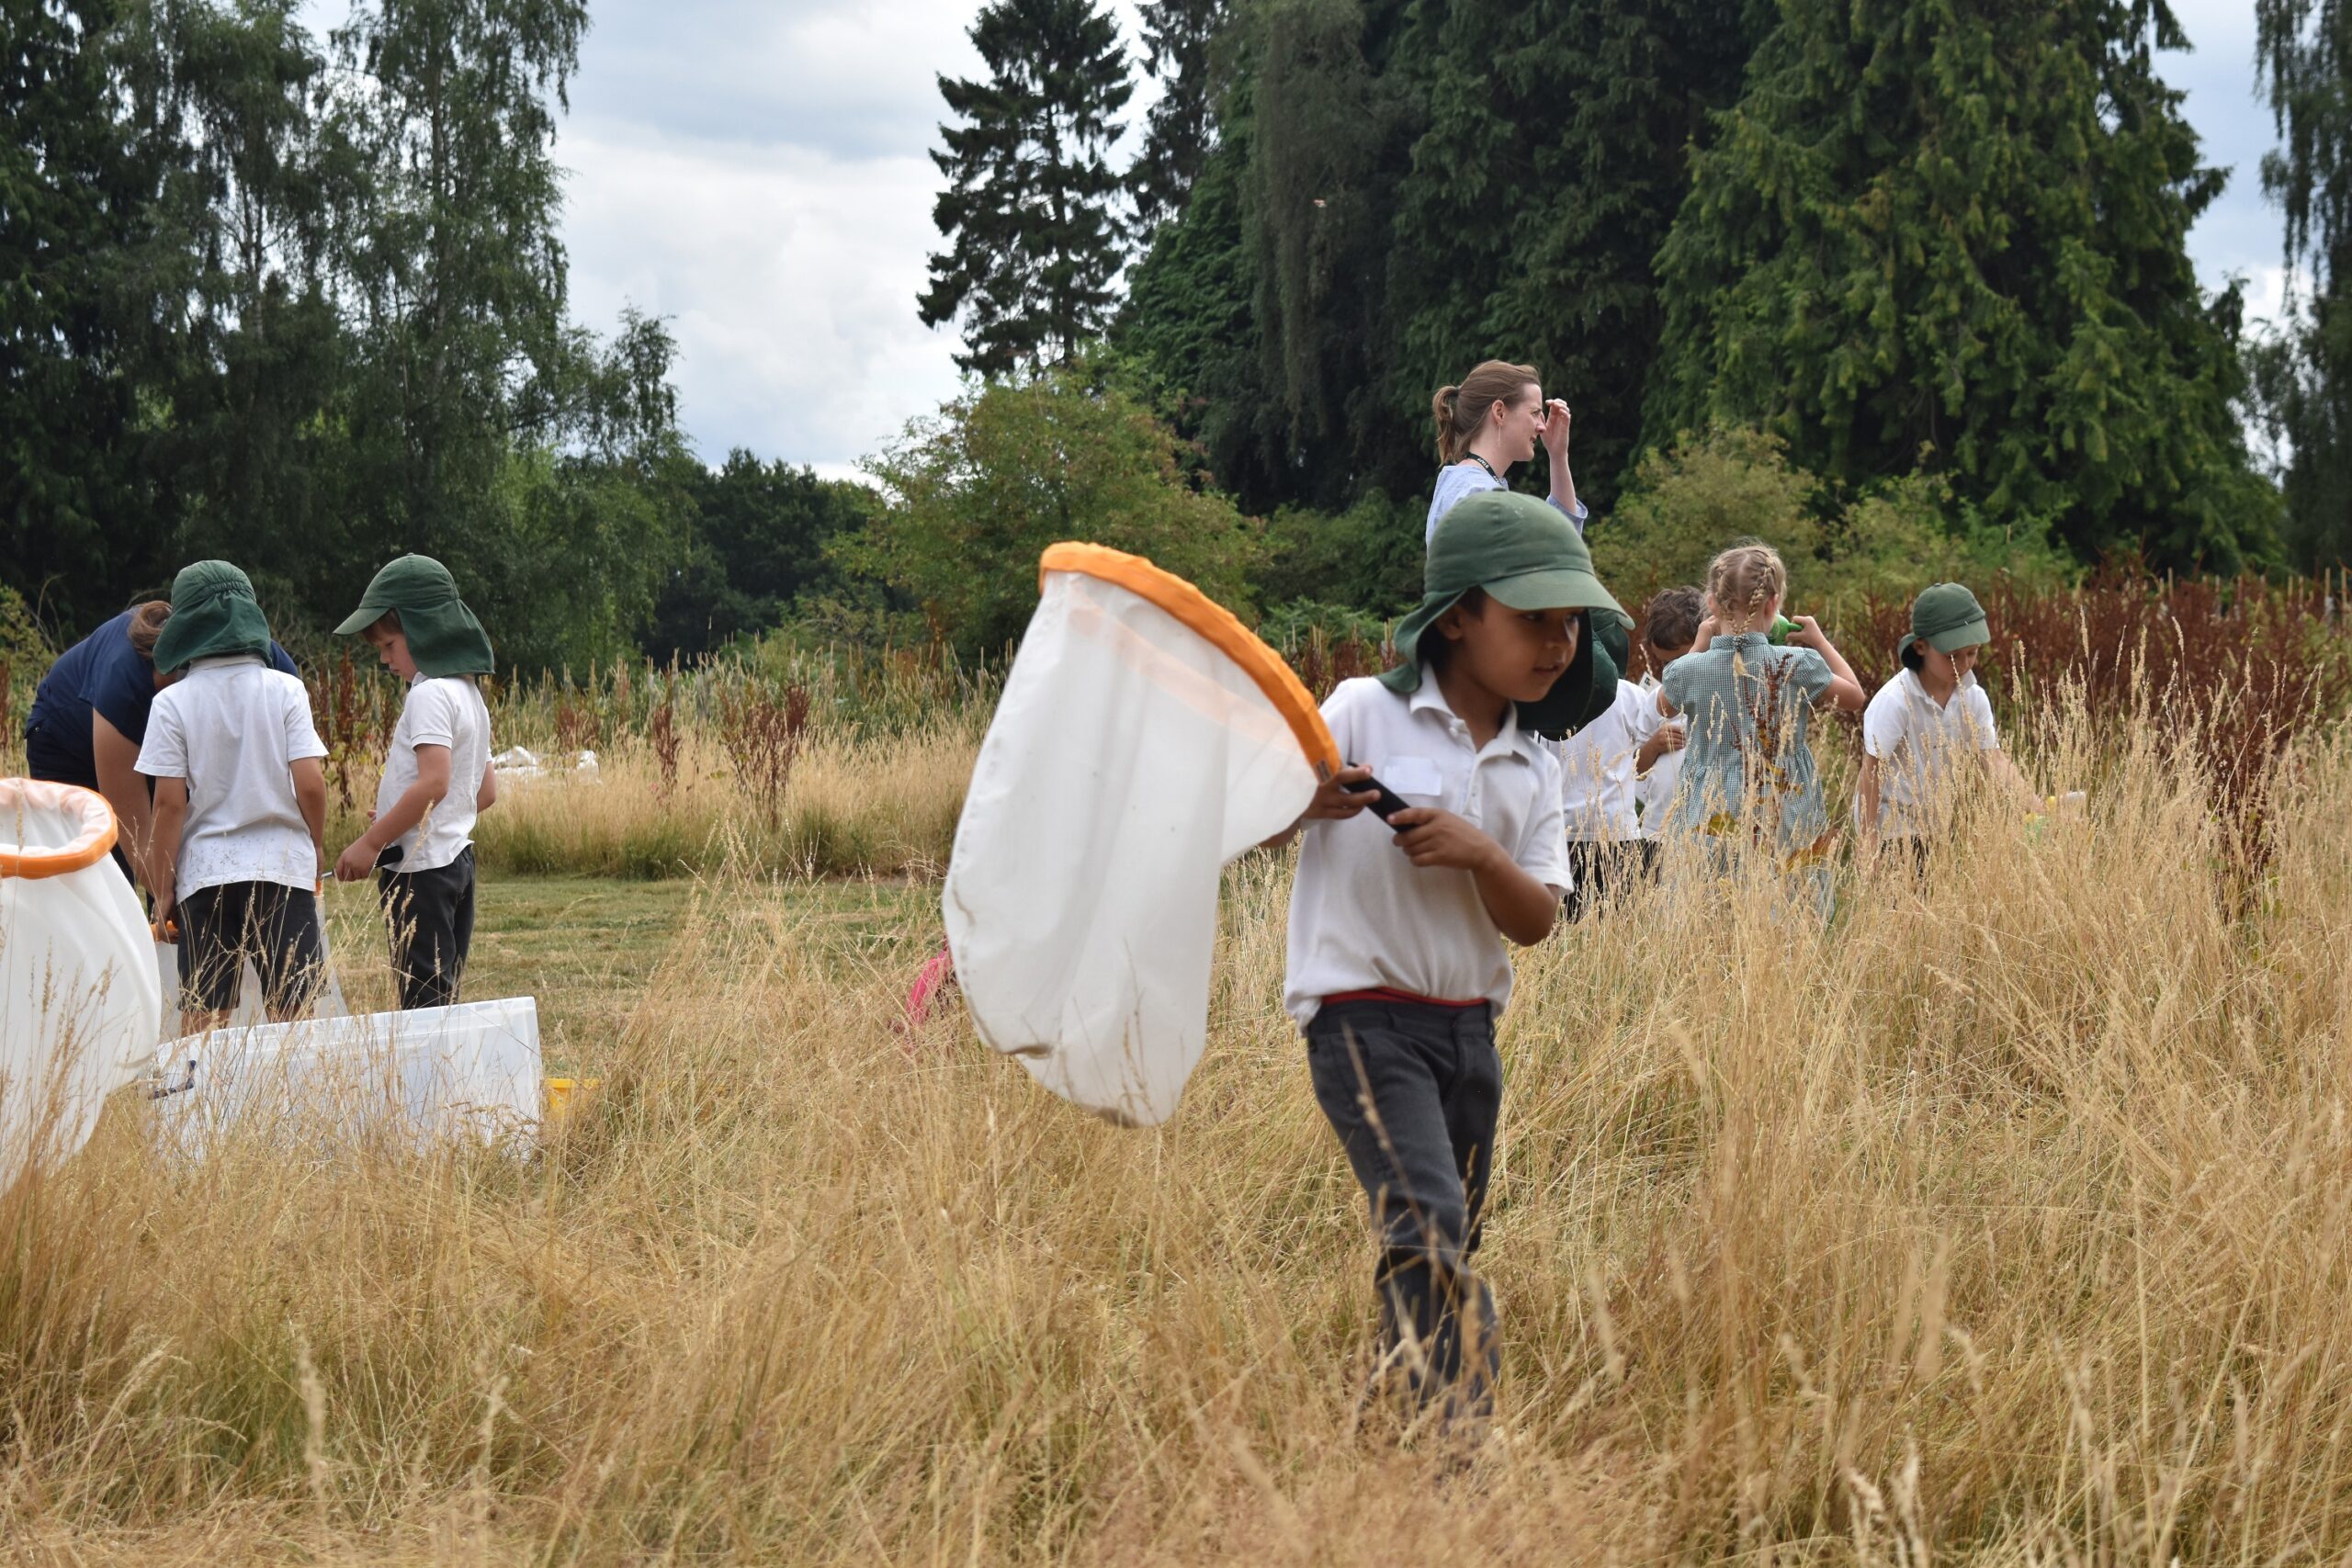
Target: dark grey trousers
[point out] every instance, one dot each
(1414, 1092)
(431, 914)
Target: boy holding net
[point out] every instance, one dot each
(1398, 958)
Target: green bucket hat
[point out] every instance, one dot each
(442, 635)
(213, 612)
(1946, 616)
(1527, 555)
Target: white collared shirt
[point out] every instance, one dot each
(1597, 768)
(1361, 916)
(1655, 789)
(1917, 742)
(231, 728)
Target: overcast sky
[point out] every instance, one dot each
(757, 173)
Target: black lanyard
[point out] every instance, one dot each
(1486, 465)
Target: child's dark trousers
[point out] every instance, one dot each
(1598, 867)
(1413, 1089)
(431, 914)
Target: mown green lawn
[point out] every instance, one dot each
(587, 947)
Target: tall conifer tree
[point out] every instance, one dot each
(1556, 150)
(1035, 245)
(2304, 56)
(1958, 226)
(1179, 131)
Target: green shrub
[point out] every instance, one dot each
(975, 494)
(1367, 558)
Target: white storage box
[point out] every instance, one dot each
(434, 1074)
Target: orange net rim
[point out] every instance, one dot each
(1203, 615)
(88, 846)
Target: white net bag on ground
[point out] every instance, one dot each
(1144, 739)
(80, 1005)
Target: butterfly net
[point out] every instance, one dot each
(1144, 739)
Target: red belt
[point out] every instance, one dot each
(1388, 994)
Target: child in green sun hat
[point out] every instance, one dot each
(240, 801)
(1929, 725)
(437, 777)
(1400, 953)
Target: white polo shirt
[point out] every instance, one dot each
(233, 728)
(1361, 916)
(1597, 768)
(449, 711)
(1917, 742)
(1654, 790)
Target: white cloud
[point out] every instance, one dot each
(760, 174)
(788, 276)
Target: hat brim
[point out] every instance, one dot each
(360, 620)
(1557, 588)
(1970, 633)
(1584, 690)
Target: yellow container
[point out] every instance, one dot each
(565, 1095)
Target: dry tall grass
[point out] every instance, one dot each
(873, 804)
(2005, 1219)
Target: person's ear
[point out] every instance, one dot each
(1449, 626)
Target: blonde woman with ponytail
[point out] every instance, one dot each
(1494, 418)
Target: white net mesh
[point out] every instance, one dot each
(1129, 759)
(80, 1006)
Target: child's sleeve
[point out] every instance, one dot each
(432, 717)
(1813, 674)
(1543, 850)
(1640, 710)
(301, 735)
(164, 754)
(1883, 724)
(1338, 717)
(1675, 685)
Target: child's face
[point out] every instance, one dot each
(390, 644)
(1950, 666)
(1517, 654)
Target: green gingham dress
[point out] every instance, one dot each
(1747, 776)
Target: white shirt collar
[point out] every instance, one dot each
(221, 661)
(1916, 689)
(1428, 698)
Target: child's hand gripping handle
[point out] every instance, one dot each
(1387, 802)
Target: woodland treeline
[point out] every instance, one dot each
(1913, 273)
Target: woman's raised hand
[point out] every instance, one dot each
(1556, 429)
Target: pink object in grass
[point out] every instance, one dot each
(933, 978)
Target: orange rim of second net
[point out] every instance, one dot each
(88, 846)
(1214, 623)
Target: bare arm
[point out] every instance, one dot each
(1556, 447)
(487, 795)
(125, 788)
(432, 784)
(311, 795)
(1844, 692)
(1521, 908)
(164, 844)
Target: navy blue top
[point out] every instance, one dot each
(104, 674)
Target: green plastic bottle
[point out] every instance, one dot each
(1782, 626)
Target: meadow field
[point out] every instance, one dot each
(2005, 1219)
